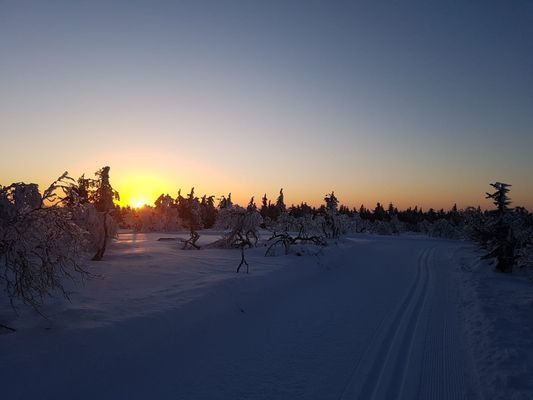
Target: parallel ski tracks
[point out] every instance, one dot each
(382, 369)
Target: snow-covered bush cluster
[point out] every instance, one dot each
(44, 236)
(172, 215)
(242, 225)
(40, 241)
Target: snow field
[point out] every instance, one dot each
(370, 317)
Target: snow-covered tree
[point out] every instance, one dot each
(296, 231)
(382, 228)
(225, 202)
(521, 222)
(243, 229)
(280, 203)
(242, 224)
(190, 213)
(331, 228)
(208, 211)
(444, 229)
(166, 214)
(97, 212)
(502, 243)
(40, 244)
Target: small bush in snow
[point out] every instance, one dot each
(243, 225)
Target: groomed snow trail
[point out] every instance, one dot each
(376, 318)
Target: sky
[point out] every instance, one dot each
(416, 103)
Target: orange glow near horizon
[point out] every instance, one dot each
(137, 190)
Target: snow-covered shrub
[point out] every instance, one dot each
(309, 230)
(165, 215)
(363, 225)
(150, 219)
(91, 221)
(345, 224)
(425, 227)
(474, 223)
(98, 193)
(521, 223)
(350, 224)
(382, 228)
(145, 220)
(40, 243)
(442, 228)
(525, 256)
(284, 223)
(243, 225)
(189, 210)
(397, 226)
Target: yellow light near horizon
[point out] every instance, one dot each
(137, 190)
(139, 202)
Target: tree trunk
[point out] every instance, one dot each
(101, 249)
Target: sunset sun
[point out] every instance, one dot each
(139, 201)
(139, 189)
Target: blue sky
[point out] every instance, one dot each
(410, 102)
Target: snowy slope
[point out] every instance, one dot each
(369, 318)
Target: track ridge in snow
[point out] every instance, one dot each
(441, 357)
(382, 369)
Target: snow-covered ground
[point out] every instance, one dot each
(367, 318)
(498, 319)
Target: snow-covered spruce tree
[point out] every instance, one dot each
(280, 203)
(331, 227)
(501, 244)
(40, 244)
(208, 211)
(225, 202)
(265, 203)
